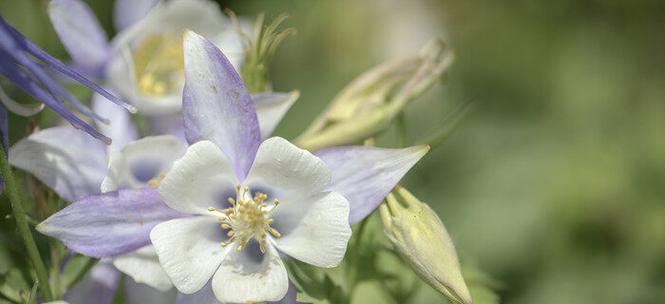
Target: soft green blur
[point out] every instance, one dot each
(554, 182)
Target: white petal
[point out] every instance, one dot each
(143, 266)
(249, 276)
(121, 75)
(202, 178)
(316, 233)
(189, 250)
(68, 160)
(136, 293)
(140, 161)
(271, 107)
(290, 172)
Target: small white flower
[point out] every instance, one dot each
(239, 226)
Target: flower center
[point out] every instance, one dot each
(159, 64)
(247, 218)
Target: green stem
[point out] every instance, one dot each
(23, 228)
(402, 137)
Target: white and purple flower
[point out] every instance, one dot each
(143, 62)
(237, 202)
(76, 166)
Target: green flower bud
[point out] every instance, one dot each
(418, 235)
(370, 102)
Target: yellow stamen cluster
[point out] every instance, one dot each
(159, 64)
(247, 218)
(156, 181)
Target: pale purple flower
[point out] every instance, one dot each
(143, 62)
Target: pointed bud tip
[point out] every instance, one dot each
(418, 234)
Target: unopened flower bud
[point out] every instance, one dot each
(370, 102)
(418, 235)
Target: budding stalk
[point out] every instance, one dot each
(369, 103)
(419, 236)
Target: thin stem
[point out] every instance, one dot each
(402, 135)
(56, 260)
(24, 229)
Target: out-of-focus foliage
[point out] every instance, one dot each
(553, 184)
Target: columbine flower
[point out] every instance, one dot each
(228, 176)
(251, 201)
(27, 66)
(144, 61)
(311, 218)
(75, 166)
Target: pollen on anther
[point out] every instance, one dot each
(247, 219)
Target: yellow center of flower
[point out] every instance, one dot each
(159, 64)
(247, 218)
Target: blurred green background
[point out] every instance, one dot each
(555, 183)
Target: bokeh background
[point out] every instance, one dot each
(554, 184)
